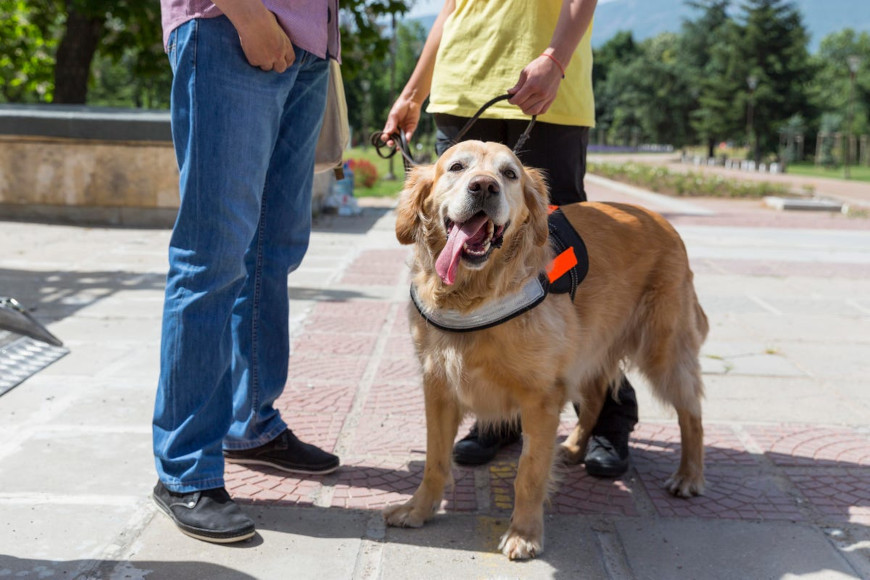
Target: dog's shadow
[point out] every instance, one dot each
(768, 490)
(741, 485)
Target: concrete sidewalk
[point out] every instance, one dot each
(786, 367)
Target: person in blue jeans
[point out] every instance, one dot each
(248, 96)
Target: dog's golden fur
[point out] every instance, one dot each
(637, 304)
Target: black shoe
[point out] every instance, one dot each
(480, 446)
(209, 515)
(607, 455)
(287, 453)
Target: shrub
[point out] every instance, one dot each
(692, 183)
(365, 174)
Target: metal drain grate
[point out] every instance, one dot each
(22, 357)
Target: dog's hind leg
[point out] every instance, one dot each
(525, 536)
(688, 480)
(442, 423)
(675, 376)
(573, 449)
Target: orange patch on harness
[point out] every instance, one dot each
(561, 265)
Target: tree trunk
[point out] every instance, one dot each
(74, 56)
(711, 145)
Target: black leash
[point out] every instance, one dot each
(400, 142)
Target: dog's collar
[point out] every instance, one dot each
(491, 313)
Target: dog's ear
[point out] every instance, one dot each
(408, 213)
(536, 196)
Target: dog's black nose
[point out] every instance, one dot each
(483, 186)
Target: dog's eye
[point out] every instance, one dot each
(509, 173)
(456, 166)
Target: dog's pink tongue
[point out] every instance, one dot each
(448, 259)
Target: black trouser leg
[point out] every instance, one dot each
(616, 416)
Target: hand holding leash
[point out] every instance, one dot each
(405, 113)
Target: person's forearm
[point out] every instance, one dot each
(574, 20)
(418, 86)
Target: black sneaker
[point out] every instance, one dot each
(607, 455)
(287, 453)
(481, 446)
(209, 515)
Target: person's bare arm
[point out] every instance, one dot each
(265, 43)
(539, 81)
(405, 112)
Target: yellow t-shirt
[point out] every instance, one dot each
(484, 46)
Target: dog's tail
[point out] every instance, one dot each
(701, 322)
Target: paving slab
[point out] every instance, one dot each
(464, 547)
(290, 543)
(677, 549)
(53, 537)
(79, 461)
(778, 399)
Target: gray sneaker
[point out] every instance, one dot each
(209, 515)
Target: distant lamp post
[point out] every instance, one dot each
(854, 62)
(365, 85)
(752, 83)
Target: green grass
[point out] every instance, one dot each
(381, 188)
(811, 170)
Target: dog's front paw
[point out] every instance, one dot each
(518, 546)
(685, 485)
(406, 515)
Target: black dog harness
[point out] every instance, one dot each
(571, 263)
(564, 275)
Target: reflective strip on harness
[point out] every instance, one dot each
(564, 275)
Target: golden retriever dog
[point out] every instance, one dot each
(478, 223)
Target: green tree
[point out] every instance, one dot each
(614, 54)
(772, 52)
(697, 39)
(49, 45)
(757, 76)
(695, 42)
(373, 86)
(831, 87)
(705, 51)
(110, 51)
(665, 91)
(113, 27)
(721, 90)
(27, 48)
(647, 95)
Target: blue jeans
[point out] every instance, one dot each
(244, 141)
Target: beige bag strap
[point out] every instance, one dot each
(335, 132)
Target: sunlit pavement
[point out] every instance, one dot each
(786, 370)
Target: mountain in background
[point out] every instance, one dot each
(648, 18)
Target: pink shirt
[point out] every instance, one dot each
(310, 24)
